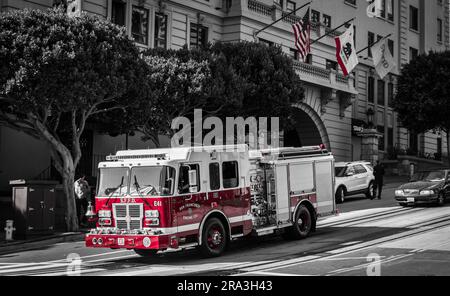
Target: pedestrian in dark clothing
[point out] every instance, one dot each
(378, 172)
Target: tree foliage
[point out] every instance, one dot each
(57, 72)
(423, 93)
(224, 80)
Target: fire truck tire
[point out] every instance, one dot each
(145, 253)
(214, 238)
(302, 224)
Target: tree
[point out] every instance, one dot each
(56, 73)
(423, 94)
(224, 80)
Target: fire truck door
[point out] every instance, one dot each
(282, 193)
(324, 186)
(188, 206)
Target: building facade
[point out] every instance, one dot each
(335, 107)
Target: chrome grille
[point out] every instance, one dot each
(128, 216)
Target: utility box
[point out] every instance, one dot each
(34, 207)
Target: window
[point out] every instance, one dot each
(199, 36)
(390, 10)
(413, 142)
(327, 21)
(183, 179)
(331, 65)
(230, 174)
(293, 53)
(380, 129)
(391, 46)
(214, 176)
(160, 30)
(265, 42)
(390, 137)
(381, 93)
(439, 148)
(439, 30)
(413, 18)
(390, 94)
(370, 40)
(371, 90)
(139, 25)
(383, 9)
(359, 169)
(290, 6)
(315, 16)
(413, 53)
(352, 2)
(118, 8)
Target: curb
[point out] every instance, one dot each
(15, 247)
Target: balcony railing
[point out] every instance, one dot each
(312, 70)
(259, 7)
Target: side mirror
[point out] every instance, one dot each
(193, 181)
(349, 174)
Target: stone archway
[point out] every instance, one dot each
(309, 129)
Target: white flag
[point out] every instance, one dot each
(382, 58)
(346, 52)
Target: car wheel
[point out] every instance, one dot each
(340, 195)
(441, 200)
(369, 191)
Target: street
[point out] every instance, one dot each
(368, 237)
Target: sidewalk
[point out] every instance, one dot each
(36, 242)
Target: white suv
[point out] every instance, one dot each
(353, 178)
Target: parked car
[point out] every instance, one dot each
(426, 187)
(353, 178)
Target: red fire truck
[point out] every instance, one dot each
(158, 199)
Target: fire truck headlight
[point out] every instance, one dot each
(152, 214)
(104, 214)
(151, 222)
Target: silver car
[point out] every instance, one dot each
(353, 178)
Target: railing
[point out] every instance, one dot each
(259, 7)
(290, 19)
(312, 70)
(332, 34)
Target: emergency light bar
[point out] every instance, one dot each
(145, 156)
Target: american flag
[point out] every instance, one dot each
(302, 31)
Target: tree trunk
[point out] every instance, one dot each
(447, 133)
(69, 193)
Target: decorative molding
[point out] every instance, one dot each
(326, 95)
(345, 101)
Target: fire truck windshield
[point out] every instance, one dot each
(113, 182)
(144, 181)
(152, 181)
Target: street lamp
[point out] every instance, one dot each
(370, 115)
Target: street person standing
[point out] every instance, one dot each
(82, 196)
(378, 172)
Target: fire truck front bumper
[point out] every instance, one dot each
(130, 241)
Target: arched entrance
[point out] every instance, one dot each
(308, 130)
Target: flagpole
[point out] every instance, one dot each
(371, 45)
(332, 31)
(282, 18)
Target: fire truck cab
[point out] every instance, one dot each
(158, 199)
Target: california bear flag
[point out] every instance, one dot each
(346, 52)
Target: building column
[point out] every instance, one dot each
(369, 145)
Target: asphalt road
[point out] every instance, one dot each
(368, 237)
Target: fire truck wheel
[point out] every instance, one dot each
(214, 238)
(145, 253)
(340, 195)
(302, 225)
